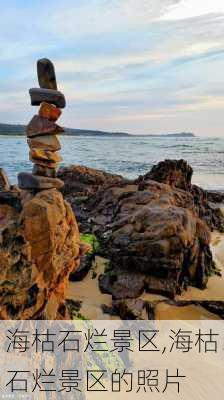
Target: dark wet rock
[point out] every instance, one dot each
(214, 196)
(11, 199)
(48, 95)
(207, 210)
(34, 182)
(176, 173)
(108, 310)
(215, 307)
(73, 306)
(83, 269)
(46, 74)
(134, 309)
(122, 285)
(106, 282)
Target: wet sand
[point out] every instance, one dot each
(164, 311)
(87, 291)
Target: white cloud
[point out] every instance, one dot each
(193, 8)
(135, 65)
(103, 16)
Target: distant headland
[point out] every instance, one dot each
(14, 129)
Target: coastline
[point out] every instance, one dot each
(154, 224)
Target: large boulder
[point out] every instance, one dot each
(39, 247)
(155, 230)
(155, 241)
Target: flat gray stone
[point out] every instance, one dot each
(55, 97)
(46, 74)
(28, 181)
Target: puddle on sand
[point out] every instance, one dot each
(87, 291)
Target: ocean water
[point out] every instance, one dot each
(128, 156)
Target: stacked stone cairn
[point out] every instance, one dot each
(42, 130)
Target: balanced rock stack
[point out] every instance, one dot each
(42, 130)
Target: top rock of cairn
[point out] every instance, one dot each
(46, 74)
(42, 130)
(48, 90)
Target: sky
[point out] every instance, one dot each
(137, 66)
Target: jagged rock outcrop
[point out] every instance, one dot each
(156, 241)
(155, 234)
(176, 173)
(39, 247)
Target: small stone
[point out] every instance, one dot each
(49, 111)
(48, 142)
(48, 95)
(45, 155)
(44, 171)
(34, 182)
(45, 164)
(4, 182)
(42, 126)
(46, 74)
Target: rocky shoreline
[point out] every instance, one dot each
(155, 231)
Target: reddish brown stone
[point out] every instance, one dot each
(49, 111)
(42, 126)
(40, 246)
